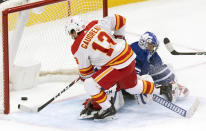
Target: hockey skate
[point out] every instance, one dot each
(90, 108)
(179, 90)
(105, 113)
(92, 112)
(173, 91)
(88, 113)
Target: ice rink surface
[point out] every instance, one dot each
(184, 22)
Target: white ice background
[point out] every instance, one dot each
(184, 22)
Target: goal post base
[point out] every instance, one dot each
(25, 77)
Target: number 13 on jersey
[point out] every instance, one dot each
(103, 37)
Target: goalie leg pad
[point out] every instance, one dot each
(143, 98)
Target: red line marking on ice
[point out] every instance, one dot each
(191, 66)
(70, 98)
(195, 49)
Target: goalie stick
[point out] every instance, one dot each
(174, 52)
(173, 107)
(37, 109)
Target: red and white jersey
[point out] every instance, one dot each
(96, 47)
(114, 24)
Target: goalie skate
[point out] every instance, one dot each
(174, 92)
(179, 91)
(182, 91)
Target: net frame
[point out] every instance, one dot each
(5, 42)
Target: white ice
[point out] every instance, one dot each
(184, 22)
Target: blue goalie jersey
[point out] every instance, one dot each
(152, 65)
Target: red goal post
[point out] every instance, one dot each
(5, 57)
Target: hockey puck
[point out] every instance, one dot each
(24, 98)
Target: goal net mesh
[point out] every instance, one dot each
(43, 38)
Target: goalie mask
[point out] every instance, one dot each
(75, 25)
(148, 41)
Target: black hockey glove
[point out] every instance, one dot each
(90, 106)
(119, 37)
(167, 91)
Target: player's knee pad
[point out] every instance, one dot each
(136, 89)
(91, 86)
(146, 77)
(142, 87)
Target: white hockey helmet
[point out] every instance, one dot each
(148, 38)
(75, 23)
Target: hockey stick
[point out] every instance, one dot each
(174, 52)
(37, 109)
(179, 110)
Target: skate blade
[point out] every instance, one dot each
(109, 118)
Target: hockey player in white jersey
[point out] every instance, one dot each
(97, 45)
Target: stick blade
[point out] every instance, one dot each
(193, 108)
(168, 45)
(27, 109)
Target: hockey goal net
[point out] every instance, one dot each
(34, 42)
